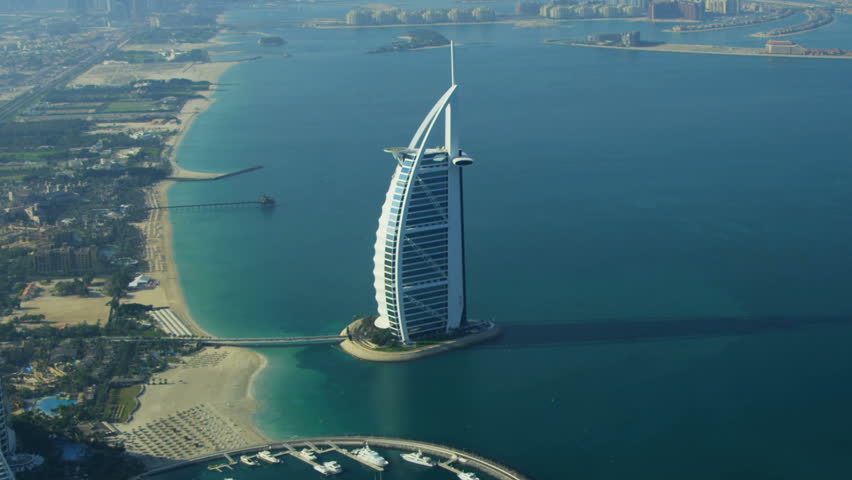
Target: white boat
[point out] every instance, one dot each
(328, 468)
(467, 476)
(418, 458)
(370, 456)
(267, 457)
(307, 454)
(246, 460)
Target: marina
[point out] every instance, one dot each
(308, 451)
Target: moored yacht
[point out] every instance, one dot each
(247, 460)
(267, 457)
(307, 454)
(369, 455)
(329, 468)
(418, 458)
(467, 476)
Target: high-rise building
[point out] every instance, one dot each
(676, 9)
(722, 7)
(79, 7)
(419, 262)
(7, 437)
(7, 441)
(138, 9)
(5, 471)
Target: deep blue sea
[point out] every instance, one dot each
(665, 237)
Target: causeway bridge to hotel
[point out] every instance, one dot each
(450, 458)
(240, 342)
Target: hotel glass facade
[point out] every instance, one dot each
(419, 259)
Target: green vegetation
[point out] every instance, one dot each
(17, 136)
(131, 106)
(123, 402)
(137, 56)
(142, 90)
(74, 287)
(29, 318)
(193, 56)
(415, 39)
(145, 56)
(37, 433)
(24, 156)
(377, 336)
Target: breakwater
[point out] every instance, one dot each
(449, 454)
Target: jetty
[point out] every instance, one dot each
(229, 465)
(183, 175)
(263, 201)
(356, 458)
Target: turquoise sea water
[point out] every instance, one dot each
(637, 221)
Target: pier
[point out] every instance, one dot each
(190, 176)
(295, 454)
(263, 201)
(222, 466)
(450, 457)
(345, 452)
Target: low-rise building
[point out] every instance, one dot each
(784, 47)
(64, 260)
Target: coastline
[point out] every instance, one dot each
(206, 404)
(221, 389)
(158, 227)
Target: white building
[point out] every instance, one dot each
(419, 261)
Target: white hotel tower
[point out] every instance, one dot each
(419, 262)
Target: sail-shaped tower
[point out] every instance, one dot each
(419, 272)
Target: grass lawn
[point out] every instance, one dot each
(14, 174)
(123, 402)
(27, 156)
(127, 107)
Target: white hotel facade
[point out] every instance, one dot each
(419, 273)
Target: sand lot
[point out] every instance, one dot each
(70, 310)
(123, 74)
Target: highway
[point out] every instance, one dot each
(10, 108)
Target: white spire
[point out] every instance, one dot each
(451, 141)
(452, 63)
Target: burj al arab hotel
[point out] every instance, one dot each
(419, 272)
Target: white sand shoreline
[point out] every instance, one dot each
(203, 405)
(223, 392)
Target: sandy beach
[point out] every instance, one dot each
(204, 404)
(158, 229)
(200, 406)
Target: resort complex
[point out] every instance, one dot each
(419, 261)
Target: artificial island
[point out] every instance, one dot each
(419, 264)
(631, 41)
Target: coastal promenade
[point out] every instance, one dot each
(453, 459)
